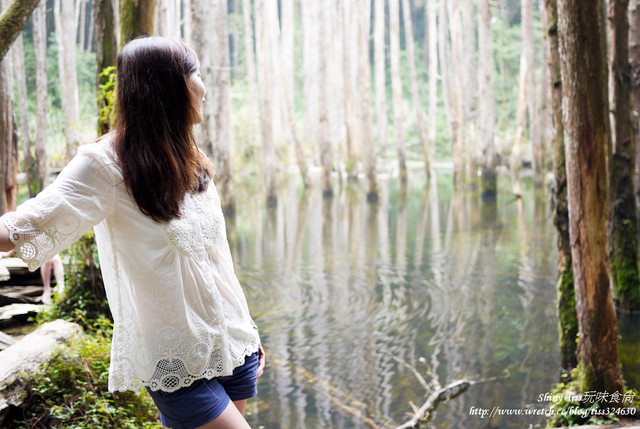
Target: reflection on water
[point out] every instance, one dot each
(449, 284)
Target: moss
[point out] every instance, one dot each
(567, 317)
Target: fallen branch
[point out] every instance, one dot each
(445, 393)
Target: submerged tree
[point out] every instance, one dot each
(623, 240)
(586, 134)
(486, 97)
(567, 319)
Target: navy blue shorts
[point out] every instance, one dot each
(203, 401)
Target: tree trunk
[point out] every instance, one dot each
(200, 12)
(187, 22)
(264, 57)
(486, 99)
(324, 142)
(310, 70)
(432, 29)
(567, 318)
(40, 48)
(18, 64)
(351, 94)
(250, 62)
(624, 219)
(106, 50)
(83, 24)
(456, 61)
(468, 64)
(544, 109)
(8, 136)
(586, 134)
(396, 85)
(364, 88)
(634, 58)
(221, 148)
(529, 52)
(66, 40)
(415, 93)
(380, 72)
(12, 20)
(288, 47)
(137, 18)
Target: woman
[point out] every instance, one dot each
(182, 327)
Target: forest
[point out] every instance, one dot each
(462, 175)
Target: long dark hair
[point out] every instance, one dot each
(154, 138)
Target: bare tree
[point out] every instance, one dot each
(586, 134)
(8, 136)
(380, 72)
(415, 93)
(66, 41)
(350, 10)
(310, 66)
(265, 78)
(567, 319)
(21, 83)
(222, 102)
(624, 218)
(486, 97)
(396, 85)
(40, 48)
(324, 142)
(364, 81)
(432, 30)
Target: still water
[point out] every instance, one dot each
(349, 296)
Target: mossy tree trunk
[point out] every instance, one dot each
(8, 137)
(567, 319)
(623, 223)
(581, 27)
(137, 18)
(13, 20)
(106, 50)
(634, 59)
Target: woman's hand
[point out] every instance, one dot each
(261, 361)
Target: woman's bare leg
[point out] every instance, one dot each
(231, 418)
(241, 405)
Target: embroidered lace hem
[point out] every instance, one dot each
(32, 245)
(171, 374)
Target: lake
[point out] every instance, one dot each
(352, 297)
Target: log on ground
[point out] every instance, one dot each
(27, 356)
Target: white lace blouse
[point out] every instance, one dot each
(179, 312)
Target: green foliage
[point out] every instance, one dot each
(84, 300)
(71, 391)
(568, 411)
(106, 98)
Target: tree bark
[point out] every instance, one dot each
(432, 29)
(137, 18)
(21, 83)
(364, 88)
(12, 21)
(264, 58)
(351, 93)
(221, 148)
(415, 93)
(486, 100)
(396, 85)
(634, 58)
(529, 52)
(380, 73)
(567, 318)
(8, 136)
(106, 49)
(324, 142)
(310, 70)
(586, 134)
(40, 48)
(66, 40)
(623, 251)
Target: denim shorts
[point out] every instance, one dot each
(203, 401)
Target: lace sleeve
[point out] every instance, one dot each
(80, 197)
